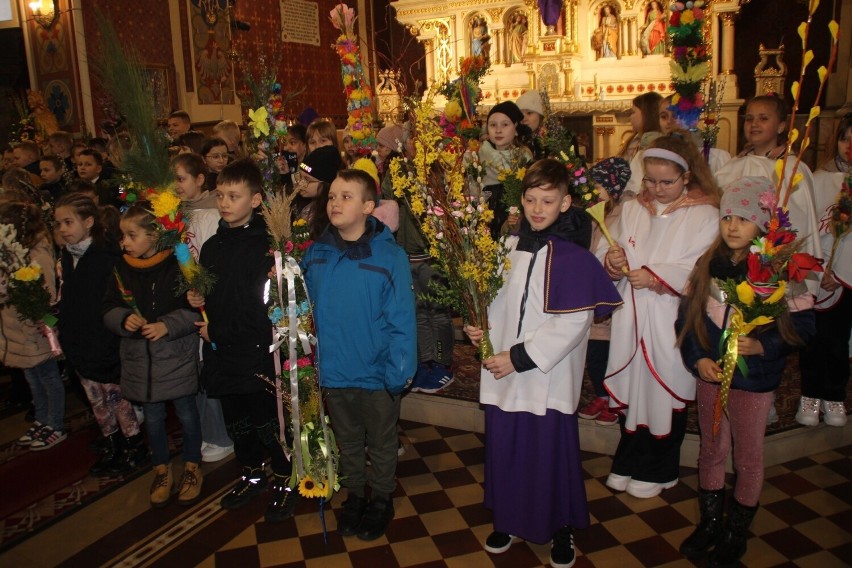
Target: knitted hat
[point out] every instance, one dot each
(323, 163)
(613, 175)
(531, 100)
(510, 109)
(749, 198)
(390, 137)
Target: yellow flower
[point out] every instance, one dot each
(29, 273)
(453, 111)
(778, 293)
(687, 17)
(745, 293)
(165, 204)
(299, 223)
(521, 173)
(310, 488)
(259, 122)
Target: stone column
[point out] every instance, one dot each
(624, 38)
(600, 151)
(731, 89)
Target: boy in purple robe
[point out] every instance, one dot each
(540, 322)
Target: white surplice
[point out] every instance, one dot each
(645, 374)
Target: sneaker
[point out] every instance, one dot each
(808, 413)
(350, 519)
(834, 413)
(647, 489)
(591, 410)
(377, 516)
(31, 434)
(251, 483)
(161, 487)
(606, 418)
(432, 380)
(47, 438)
(498, 543)
(562, 554)
(214, 453)
(617, 482)
(284, 500)
(190, 484)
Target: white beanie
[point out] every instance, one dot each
(531, 100)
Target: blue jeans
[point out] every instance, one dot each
(155, 425)
(48, 394)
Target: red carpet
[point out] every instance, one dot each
(29, 477)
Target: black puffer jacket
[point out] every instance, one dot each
(89, 346)
(166, 369)
(239, 324)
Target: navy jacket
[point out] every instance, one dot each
(764, 371)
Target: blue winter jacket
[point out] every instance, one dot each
(363, 310)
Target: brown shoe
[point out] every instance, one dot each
(190, 484)
(161, 488)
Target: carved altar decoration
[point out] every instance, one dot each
(592, 57)
(770, 75)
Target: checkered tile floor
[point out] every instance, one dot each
(805, 518)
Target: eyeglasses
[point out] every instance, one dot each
(217, 156)
(663, 183)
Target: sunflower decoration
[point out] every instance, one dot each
(310, 488)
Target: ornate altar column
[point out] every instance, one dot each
(728, 29)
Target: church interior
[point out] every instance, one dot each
(591, 58)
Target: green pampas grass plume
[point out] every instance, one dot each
(120, 72)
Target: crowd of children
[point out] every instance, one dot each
(641, 315)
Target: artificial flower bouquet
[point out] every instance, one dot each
(24, 286)
(267, 123)
(758, 299)
(512, 177)
(689, 63)
(356, 86)
(314, 451)
(463, 94)
(454, 220)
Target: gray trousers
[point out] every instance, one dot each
(358, 415)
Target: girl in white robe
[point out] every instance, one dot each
(660, 236)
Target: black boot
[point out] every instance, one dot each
(108, 451)
(709, 530)
(284, 500)
(251, 483)
(134, 454)
(350, 518)
(376, 518)
(732, 547)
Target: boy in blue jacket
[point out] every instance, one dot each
(360, 283)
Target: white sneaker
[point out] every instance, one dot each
(808, 413)
(834, 413)
(617, 482)
(214, 453)
(773, 415)
(647, 489)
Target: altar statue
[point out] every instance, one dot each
(653, 38)
(550, 12)
(518, 28)
(479, 37)
(605, 37)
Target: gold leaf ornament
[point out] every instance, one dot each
(803, 29)
(809, 56)
(794, 89)
(833, 27)
(813, 114)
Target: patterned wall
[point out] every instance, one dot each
(146, 26)
(317, 69)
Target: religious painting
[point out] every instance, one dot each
(652, 39)
(516, 37)
(605, 36)
(480, 38)
(211, 41)
(157, 83)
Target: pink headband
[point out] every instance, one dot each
(666, 155)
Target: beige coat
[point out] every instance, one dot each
(22, 345)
